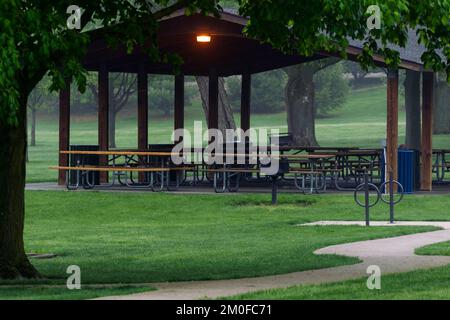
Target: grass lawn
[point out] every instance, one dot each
(62, 293)
(421, 284)
(125, 238)
(361, 122)
(148, 237)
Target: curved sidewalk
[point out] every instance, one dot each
(390, 254)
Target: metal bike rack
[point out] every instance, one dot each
(366, 186)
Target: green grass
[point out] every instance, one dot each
(420, 284)
(146, 237)
(442, 248)
(361, 122)
(62, 293)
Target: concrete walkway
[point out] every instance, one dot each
(390, 254)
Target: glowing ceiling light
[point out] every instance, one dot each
(203, 38)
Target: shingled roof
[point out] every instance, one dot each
(411, 53)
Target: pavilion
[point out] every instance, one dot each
(229, 52)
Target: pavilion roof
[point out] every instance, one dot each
(230, 52)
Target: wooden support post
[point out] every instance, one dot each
(427, 132)
(142, 99)
(246, 101)
(142, 84)
(64, 130)
(103, 117)
(392, 124)
(213, 109)
(179, 103)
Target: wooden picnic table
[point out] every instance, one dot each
(309, 149)
(134, 165)
(119, 153)
(441, 150)
(441, 165)
(168, 154)
(361, 152)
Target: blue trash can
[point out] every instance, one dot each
(408, 170)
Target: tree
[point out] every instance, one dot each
(441, 121)
(161, 94)
(359, 74)
(306, 27)
(267, 91)
(35, 102)
(35, 41)
(331, 89)
(121, 87)
(226, 119)
(412, 108)
(356, 71)
(300, 100)
(39, 99)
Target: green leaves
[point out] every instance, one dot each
(35, 40)
(309, 26)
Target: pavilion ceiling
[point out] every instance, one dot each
(229, 52)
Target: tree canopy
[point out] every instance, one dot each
(35, 40)
(310, 26)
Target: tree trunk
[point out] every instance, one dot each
(112, 128)
(299, 94)
(226, 119)
(441, 121)
(13, 141)
(412, 107)
(33, 128)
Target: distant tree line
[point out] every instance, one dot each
(326, 86)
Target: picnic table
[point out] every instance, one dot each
(309, 170)
(123, 163)
(441, 164)
(352, 163)
(298, 148)
(225, 172)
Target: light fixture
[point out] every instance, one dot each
(203, 38)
